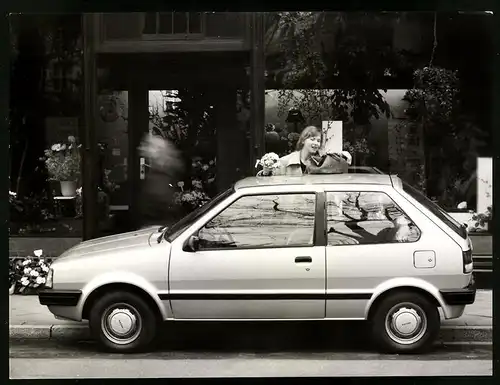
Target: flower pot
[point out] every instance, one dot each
(68, 188)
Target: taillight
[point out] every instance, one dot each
(467, 258)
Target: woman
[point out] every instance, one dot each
(308, 145)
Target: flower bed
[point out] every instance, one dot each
(28, 274)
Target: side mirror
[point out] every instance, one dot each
(193, 243)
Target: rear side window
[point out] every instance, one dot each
(436, 210)
(361, 218)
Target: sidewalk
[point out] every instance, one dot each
(29, 319)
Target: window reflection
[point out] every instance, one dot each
(367, 218)
(262, 221)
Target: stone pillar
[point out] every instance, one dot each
(231, 142)
(257, 84)
(87, 127)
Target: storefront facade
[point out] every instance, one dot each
(216, 53)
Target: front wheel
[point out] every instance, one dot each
(122, 322)
(405, 322)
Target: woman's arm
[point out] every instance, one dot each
(347, 157)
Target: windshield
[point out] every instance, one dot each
(174, 231)
(436, 210)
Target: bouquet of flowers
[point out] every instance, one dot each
(268, 162)
(192, 199)
(30, 273)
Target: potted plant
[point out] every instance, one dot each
(63, 165)
(484, 220)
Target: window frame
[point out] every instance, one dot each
(173, 36)
(318, 209)
(369, 244)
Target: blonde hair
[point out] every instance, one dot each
(307, 133)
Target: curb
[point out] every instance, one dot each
(49, 332)
(467, 335)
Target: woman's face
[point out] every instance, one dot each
(313, 143)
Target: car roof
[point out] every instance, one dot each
(376, 179)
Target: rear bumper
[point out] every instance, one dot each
(465, 296)
(59, 297)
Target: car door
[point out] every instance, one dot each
(258, 258)
(370, 240)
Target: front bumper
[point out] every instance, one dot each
(465, 296)
(59, 297)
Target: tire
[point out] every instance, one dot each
(126, 306)
(409, 305)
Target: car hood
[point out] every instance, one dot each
(144, 237)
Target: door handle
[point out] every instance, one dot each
(303, 260)
(142, 168)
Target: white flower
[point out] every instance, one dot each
(26, 262)
(25, 283)
(45, 269)
(34, 273)
(56, 147)
(71, 139)
(63, 147)
(12, 193)
(40, 280)
(27, 270)
(38, 253)
(270, 160)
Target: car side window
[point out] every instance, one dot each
(359, 218)
(262, 221)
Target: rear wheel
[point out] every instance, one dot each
(405, 322)
(123, 322)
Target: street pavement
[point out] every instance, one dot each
(237, 357)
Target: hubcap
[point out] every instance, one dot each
(121, 321)
(121, 324)
(406, 323)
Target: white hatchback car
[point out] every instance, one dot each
(317, 247)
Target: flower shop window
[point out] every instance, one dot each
(44, 201)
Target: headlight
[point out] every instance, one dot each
(49, 279)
